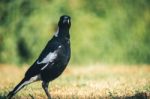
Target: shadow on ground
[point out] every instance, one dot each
(136, 96)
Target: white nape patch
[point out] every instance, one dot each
(49, 58)
(32, 79)
(56, 33)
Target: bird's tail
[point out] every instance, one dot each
(17, 88)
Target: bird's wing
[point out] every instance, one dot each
(47, 57)
(50, 55)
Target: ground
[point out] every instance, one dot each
(83, 82)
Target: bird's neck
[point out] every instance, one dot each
(62, 32)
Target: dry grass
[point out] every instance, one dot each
(83, 82)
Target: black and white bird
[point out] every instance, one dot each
(52, 60)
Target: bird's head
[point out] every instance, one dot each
(64, 22)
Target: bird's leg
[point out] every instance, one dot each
(45, 87)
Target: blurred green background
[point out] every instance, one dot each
(103, 31)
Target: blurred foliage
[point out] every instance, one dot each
(103, 31)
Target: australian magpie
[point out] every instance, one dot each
(52, 60)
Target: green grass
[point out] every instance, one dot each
(83, 82)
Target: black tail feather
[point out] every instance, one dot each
(16, 89)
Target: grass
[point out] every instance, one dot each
(83, 82)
